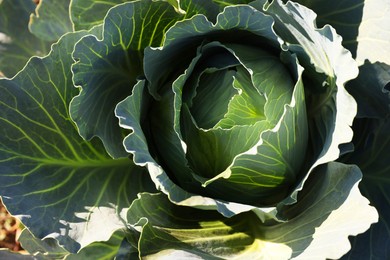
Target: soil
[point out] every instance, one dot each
(10, 228)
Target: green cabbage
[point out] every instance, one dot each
(196, 128)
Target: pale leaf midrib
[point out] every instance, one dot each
(87, 163)
(74, 163)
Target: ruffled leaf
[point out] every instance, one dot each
(107, 69)
(51, 20)
(170, 231)
(110, 249)
(58, 184)
(371, 89)
(199, 28)
(345, 16)
(265, 172)
(328, 66)
(88, 13)
(363, 24)
(337, 196)
(17, 44)
(48, 248)
(372, 144)
(332, 199)
(42, 248)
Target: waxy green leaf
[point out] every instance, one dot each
(235, 110)
(363, 24)
(371, 89)
(51, 20)
(107, 69)
(372, 144)
(106, 250)
(182, 53)
(58, 184)
(332, 199)
(345, 16)
(169, 230)
(88, 13)
(17, 44)
(45, 248)
(332, 187)
(48, 248)
(111, 66)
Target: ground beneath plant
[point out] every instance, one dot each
(9, 230)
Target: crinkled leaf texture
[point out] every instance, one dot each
(51, 20)
(372, 143)
(86, 14)
(343, 117)
(328, 196)
(365, 28)
(49, 248)
(42, 248)
(364, 25)
(371, 89)
(108, 65)
(106, 69)
(17, 44)
(179, 231)
(331, 199)
(74, 198)
(59, 185)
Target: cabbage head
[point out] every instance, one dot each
(196, 129)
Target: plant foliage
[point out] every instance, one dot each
(196, 128)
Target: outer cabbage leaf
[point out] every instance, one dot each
(364, 25)
(345, 16)
(331, 108)
(169, 230)
(87, 13)
(7, 254)
(371, 90)
(372, 144)
(47, 248)
(59, 185)
(111, 249)
(374, 32)
(51, 20)
(17, 44)
(106, 69)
